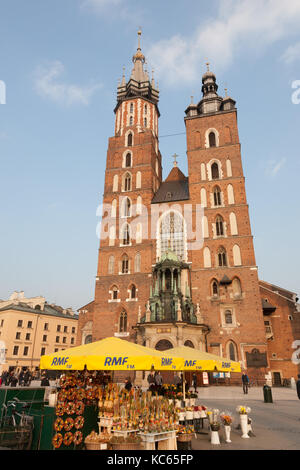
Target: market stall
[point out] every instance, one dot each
(126, 418)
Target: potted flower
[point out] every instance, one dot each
(243, 412)
(227, 421)
(214, 435)
(182, 414)
(197, 412)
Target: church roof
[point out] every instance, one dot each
(174, 188)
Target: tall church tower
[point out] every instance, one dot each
(224, 273)
(153, 286)
(133, 174)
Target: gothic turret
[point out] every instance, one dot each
(139, 83)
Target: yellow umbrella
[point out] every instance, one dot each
(200, 360)
(110, 354)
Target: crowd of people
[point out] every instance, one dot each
(20, 378)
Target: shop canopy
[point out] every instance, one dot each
(203, 361)
(111, 354)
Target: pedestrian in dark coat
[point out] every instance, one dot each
(194, 382)
(298, 386)
(245, 382)
(45, 381)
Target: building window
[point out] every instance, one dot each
(215, 171)
(126, 207)
(217, 196)
(172, 235)
(56, 349)
(73, 330)
(16, 350)
(145, 122)
(29, 324)
(236, 287)
(212, 139)
(18, 335)
(128, 160)
(232, 352)
(129, 139)
(44, 338)
(114, 293)
(64, 340)
(228, 317)
(25, 352)
(65, 329)
(222, 257)
(58, 328)
(137, 263)
(2, 322)
(88, 339)
(131, 107)
(46, 326)
(133, 292)
(57, 339)
(215, 288)
(111, 265)
(27, 338)
(123, 322)
(131, 121)
(126, 235)
(43, 351)
(20, 323)
(127, 182)
(72, 340)
(268, 327)
(219, 226)
(125, 264)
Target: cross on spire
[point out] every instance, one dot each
(175, 159)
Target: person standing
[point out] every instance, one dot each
(151, 382)
(158, 383)
(298, 386)
(245, 382)
(194, 382)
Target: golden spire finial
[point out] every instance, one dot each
(139, 37)
(207, 65)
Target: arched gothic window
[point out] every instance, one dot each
(131, 120)
(172, 235)
(231, 351)
(215, 288)
(126, 235)
(111, 265)
(217, 196)
(125, 264)
(145, 122)
(137, 263)
(222, 257)
(215, 171)
(228, 317)
(126, 207)
(129, 139)
(133, 292)
(219, 226)
(236, 287)
(123, 322)
(114, 293)
(128, 160)
(127, 182)
(131, 107)
(212, 139)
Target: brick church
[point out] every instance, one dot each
(176, 261)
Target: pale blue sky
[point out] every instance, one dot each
(61, 61)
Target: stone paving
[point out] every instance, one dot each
(276, 425)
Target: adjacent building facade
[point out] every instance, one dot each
(176, 260)
(30, 328)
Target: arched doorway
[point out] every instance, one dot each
(189, 344)
(163, 345)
